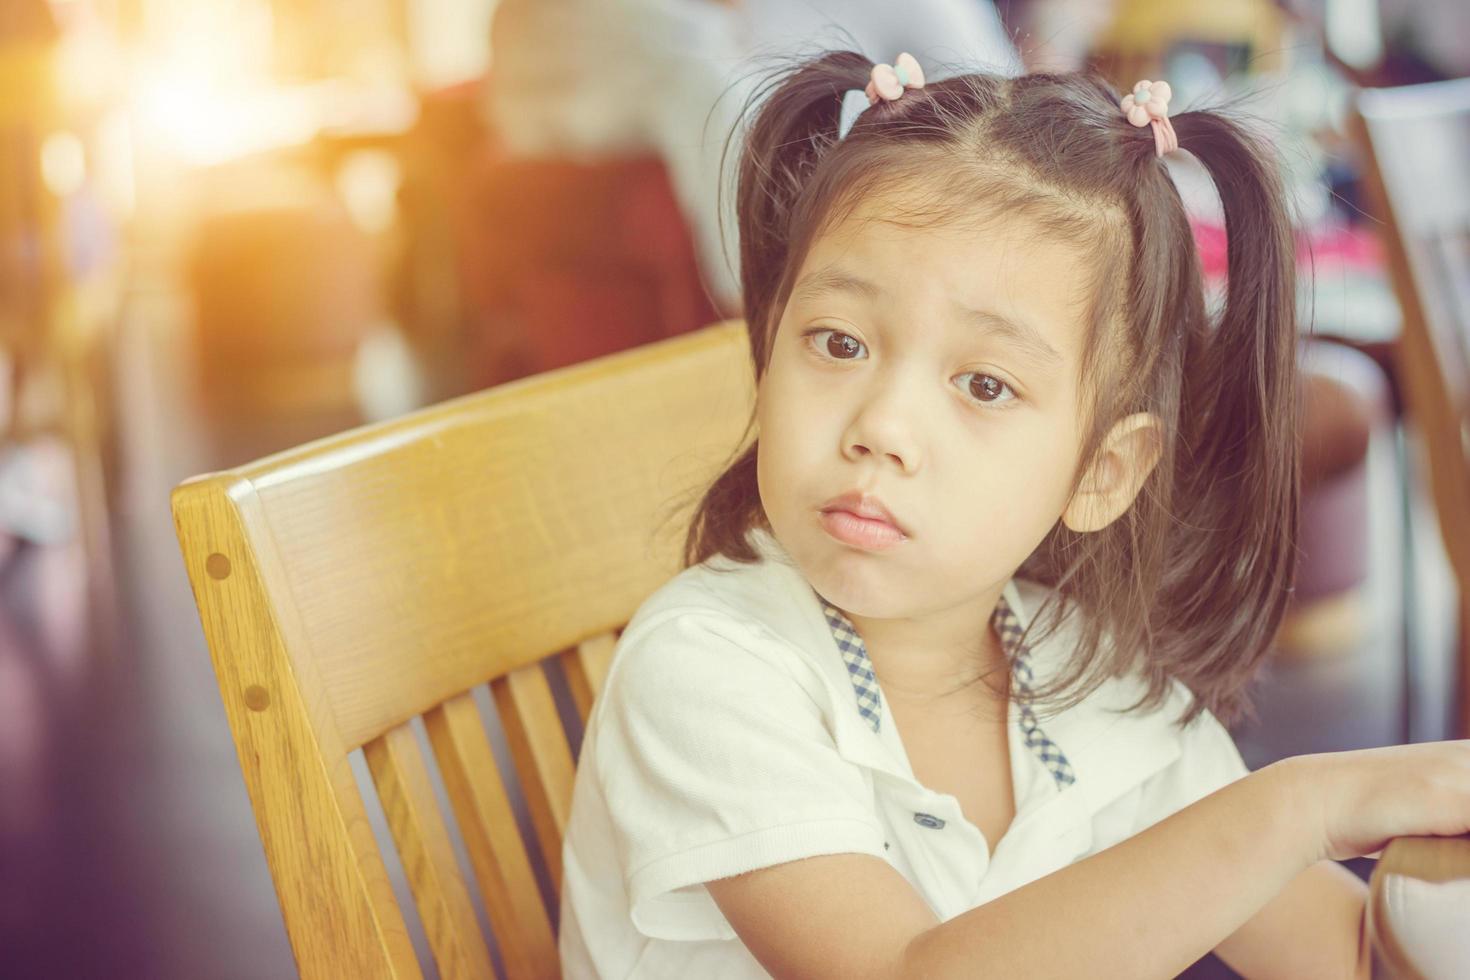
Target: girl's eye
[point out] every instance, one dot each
(839, 346)
(989, 389)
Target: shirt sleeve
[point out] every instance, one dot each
(713, 760)
(1207, 761)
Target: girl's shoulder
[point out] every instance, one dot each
(721, 616)
(1050, 650)
(1112, 742)
(767, 596)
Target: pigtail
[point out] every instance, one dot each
(795, 126)
(1237, 462)
(1192, 582)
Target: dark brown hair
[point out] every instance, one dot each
(1190, 584)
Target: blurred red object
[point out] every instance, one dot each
(565, 261)
(556, 260)
(1352, 248)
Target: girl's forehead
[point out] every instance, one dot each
(919, 221)
(994, 265)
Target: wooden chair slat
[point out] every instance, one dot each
(543, 759)
(586, 668)
(428, 859)
(497, 853)
(335, 895)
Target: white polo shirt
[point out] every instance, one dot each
(741, 726)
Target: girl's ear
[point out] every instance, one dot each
(1122, 463)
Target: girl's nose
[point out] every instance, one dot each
(886, 425)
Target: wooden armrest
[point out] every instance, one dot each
(1419, 909)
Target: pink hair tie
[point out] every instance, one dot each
(1148, 105)
(889, 81)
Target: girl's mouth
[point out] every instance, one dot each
(861, 532)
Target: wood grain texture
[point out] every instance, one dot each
(487, 823)
(423, 843)
(543, 760)
(335, 895)
(434, 553)
(351, 584)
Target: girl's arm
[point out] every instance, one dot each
(1146, 907)
(1303, 932)
(1152, 904)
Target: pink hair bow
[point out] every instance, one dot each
(1148, 105)
(889, 81)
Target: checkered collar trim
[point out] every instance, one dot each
(1007, 625)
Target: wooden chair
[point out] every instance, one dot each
(1416, 145)
(356, 583)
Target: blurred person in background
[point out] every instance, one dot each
(590, 79)
(1424, 40)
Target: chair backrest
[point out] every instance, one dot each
(1416, 143)
(355, 584)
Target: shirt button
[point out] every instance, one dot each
(925, 820)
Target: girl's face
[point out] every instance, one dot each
(935, 369)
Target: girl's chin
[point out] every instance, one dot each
(853, 583)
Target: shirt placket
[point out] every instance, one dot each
(953, 856)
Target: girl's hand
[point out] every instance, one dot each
(1365, 798)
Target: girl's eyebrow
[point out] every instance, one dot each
(1018, 333)
(834, 280)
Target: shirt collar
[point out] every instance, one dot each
(1008, 627)
(1094, 744)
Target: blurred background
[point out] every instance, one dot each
(231, 226)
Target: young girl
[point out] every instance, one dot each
(937, 694)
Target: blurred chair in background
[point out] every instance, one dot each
(426, 287)
(1416, 144)
(285, 291)
(1145, 37)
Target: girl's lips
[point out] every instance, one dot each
(861, 532)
